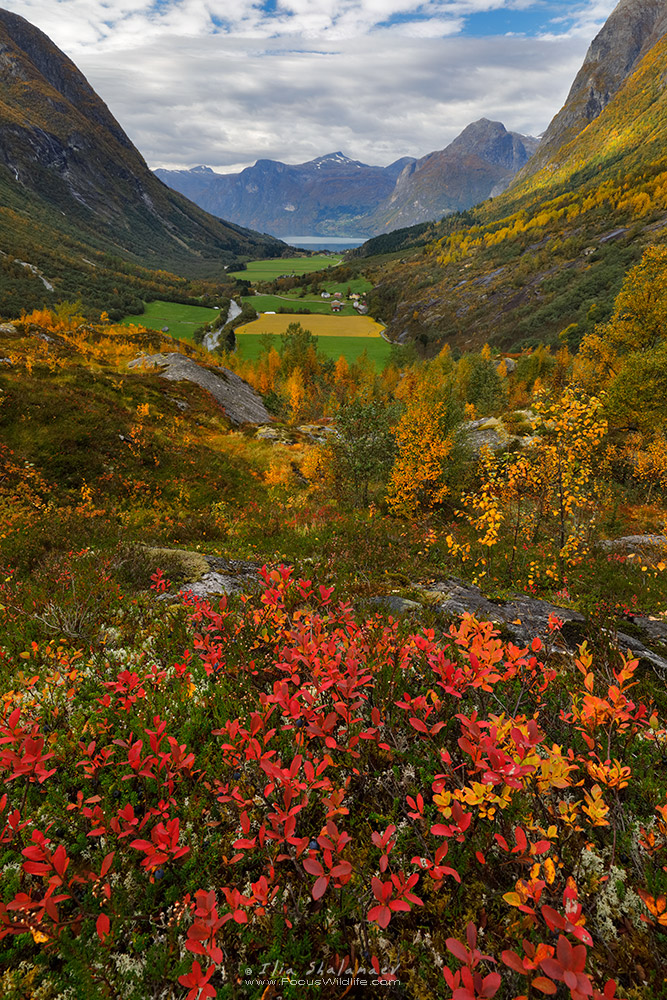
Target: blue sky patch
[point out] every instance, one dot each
(541, 19)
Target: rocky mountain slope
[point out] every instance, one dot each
(632, 29)
(543, 261)
(334, 195)
(73, 185)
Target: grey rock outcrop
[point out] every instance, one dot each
(209, 576)
(242, 405)
(212, 584)
(635, 544)
(525, 617)
(396, 605)
(486, 432)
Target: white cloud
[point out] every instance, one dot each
(223, 82)
(584, 21)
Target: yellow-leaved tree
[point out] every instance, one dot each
(627, 357)
(637, 327)
(294, 393)
(551, 490)
(425, 437)
(568, 432)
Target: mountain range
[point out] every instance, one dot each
(76, 195)
(336, 196)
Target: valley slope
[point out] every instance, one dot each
(74, 190)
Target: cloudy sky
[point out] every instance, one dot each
(225, 82)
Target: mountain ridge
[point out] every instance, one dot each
(480, 162)
(630, 31)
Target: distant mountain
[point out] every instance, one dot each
(72, 182)
(331, 195)
(478, 164)
(336, 196)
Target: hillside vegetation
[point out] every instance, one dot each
(335, 763)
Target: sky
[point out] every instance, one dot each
(227, 82)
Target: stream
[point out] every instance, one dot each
(211, 339)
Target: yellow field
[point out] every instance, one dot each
(320, 326)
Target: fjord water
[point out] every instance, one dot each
(325, 242)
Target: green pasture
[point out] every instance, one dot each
(315, 304)
(181, 320)
(250, 345)
(359, 285)
(269, 270)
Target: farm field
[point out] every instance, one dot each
(362, 327)
(354, 284)
(315, 304)
(249, 346)
(337, 335)
(182, 320)
(268, 270)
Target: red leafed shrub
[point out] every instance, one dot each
(274, 775)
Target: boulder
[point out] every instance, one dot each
(487, 432)
(242, 405)
(635, 544)
(278, 434)
(525, 617)
(213, 585)
(395, 604)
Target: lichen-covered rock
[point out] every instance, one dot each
(526, 617)
(278, 434)
(635, 544)
(203, 575)
(487, 432)
(395, 604)
(213, 584)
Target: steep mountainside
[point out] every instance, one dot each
(72, 183)
(334, 195)
(548, 256)
(630, 32)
